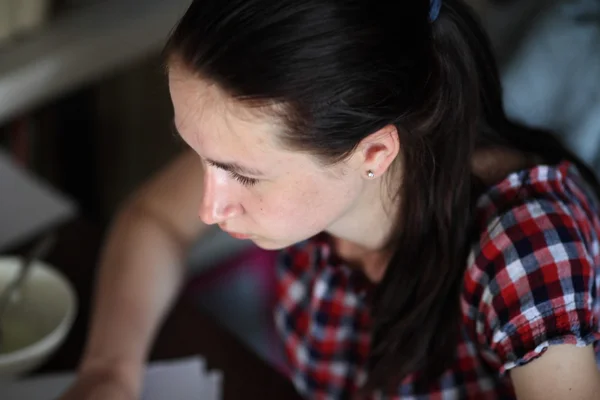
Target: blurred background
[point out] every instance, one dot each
(85, 111)
(83, 97)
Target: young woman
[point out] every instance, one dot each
(431, 247)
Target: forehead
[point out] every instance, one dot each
(214, 124)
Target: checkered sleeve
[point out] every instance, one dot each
(538, 288)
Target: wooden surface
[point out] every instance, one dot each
(186, 331)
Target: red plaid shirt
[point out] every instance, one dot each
(532, 280)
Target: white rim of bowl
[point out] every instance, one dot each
(58, 334)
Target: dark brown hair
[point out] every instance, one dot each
(344, 69)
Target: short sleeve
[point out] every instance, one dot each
(540, 282)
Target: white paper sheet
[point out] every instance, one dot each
(27, 205)
(182, 379)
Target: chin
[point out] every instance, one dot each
(267, 244)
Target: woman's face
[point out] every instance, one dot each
(253, 188)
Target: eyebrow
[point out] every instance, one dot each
(235, 168)
(231, 167)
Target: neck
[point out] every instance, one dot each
(361, 235)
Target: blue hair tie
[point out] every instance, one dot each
(434, 9)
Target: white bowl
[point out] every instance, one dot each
(39, 319)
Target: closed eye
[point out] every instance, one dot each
(244, 180)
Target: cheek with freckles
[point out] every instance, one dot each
(280, 212)
(305, 209)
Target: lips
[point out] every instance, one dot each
(238, 235)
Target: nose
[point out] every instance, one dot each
(218, 198)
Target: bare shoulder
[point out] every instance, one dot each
(173, 195)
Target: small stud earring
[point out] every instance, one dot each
(370, 174)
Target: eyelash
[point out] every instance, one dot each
(241, 179)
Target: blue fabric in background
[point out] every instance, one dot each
(552, 80)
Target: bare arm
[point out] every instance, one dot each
(142, 269)
(562, 372)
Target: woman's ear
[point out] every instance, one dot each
(377, 152)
